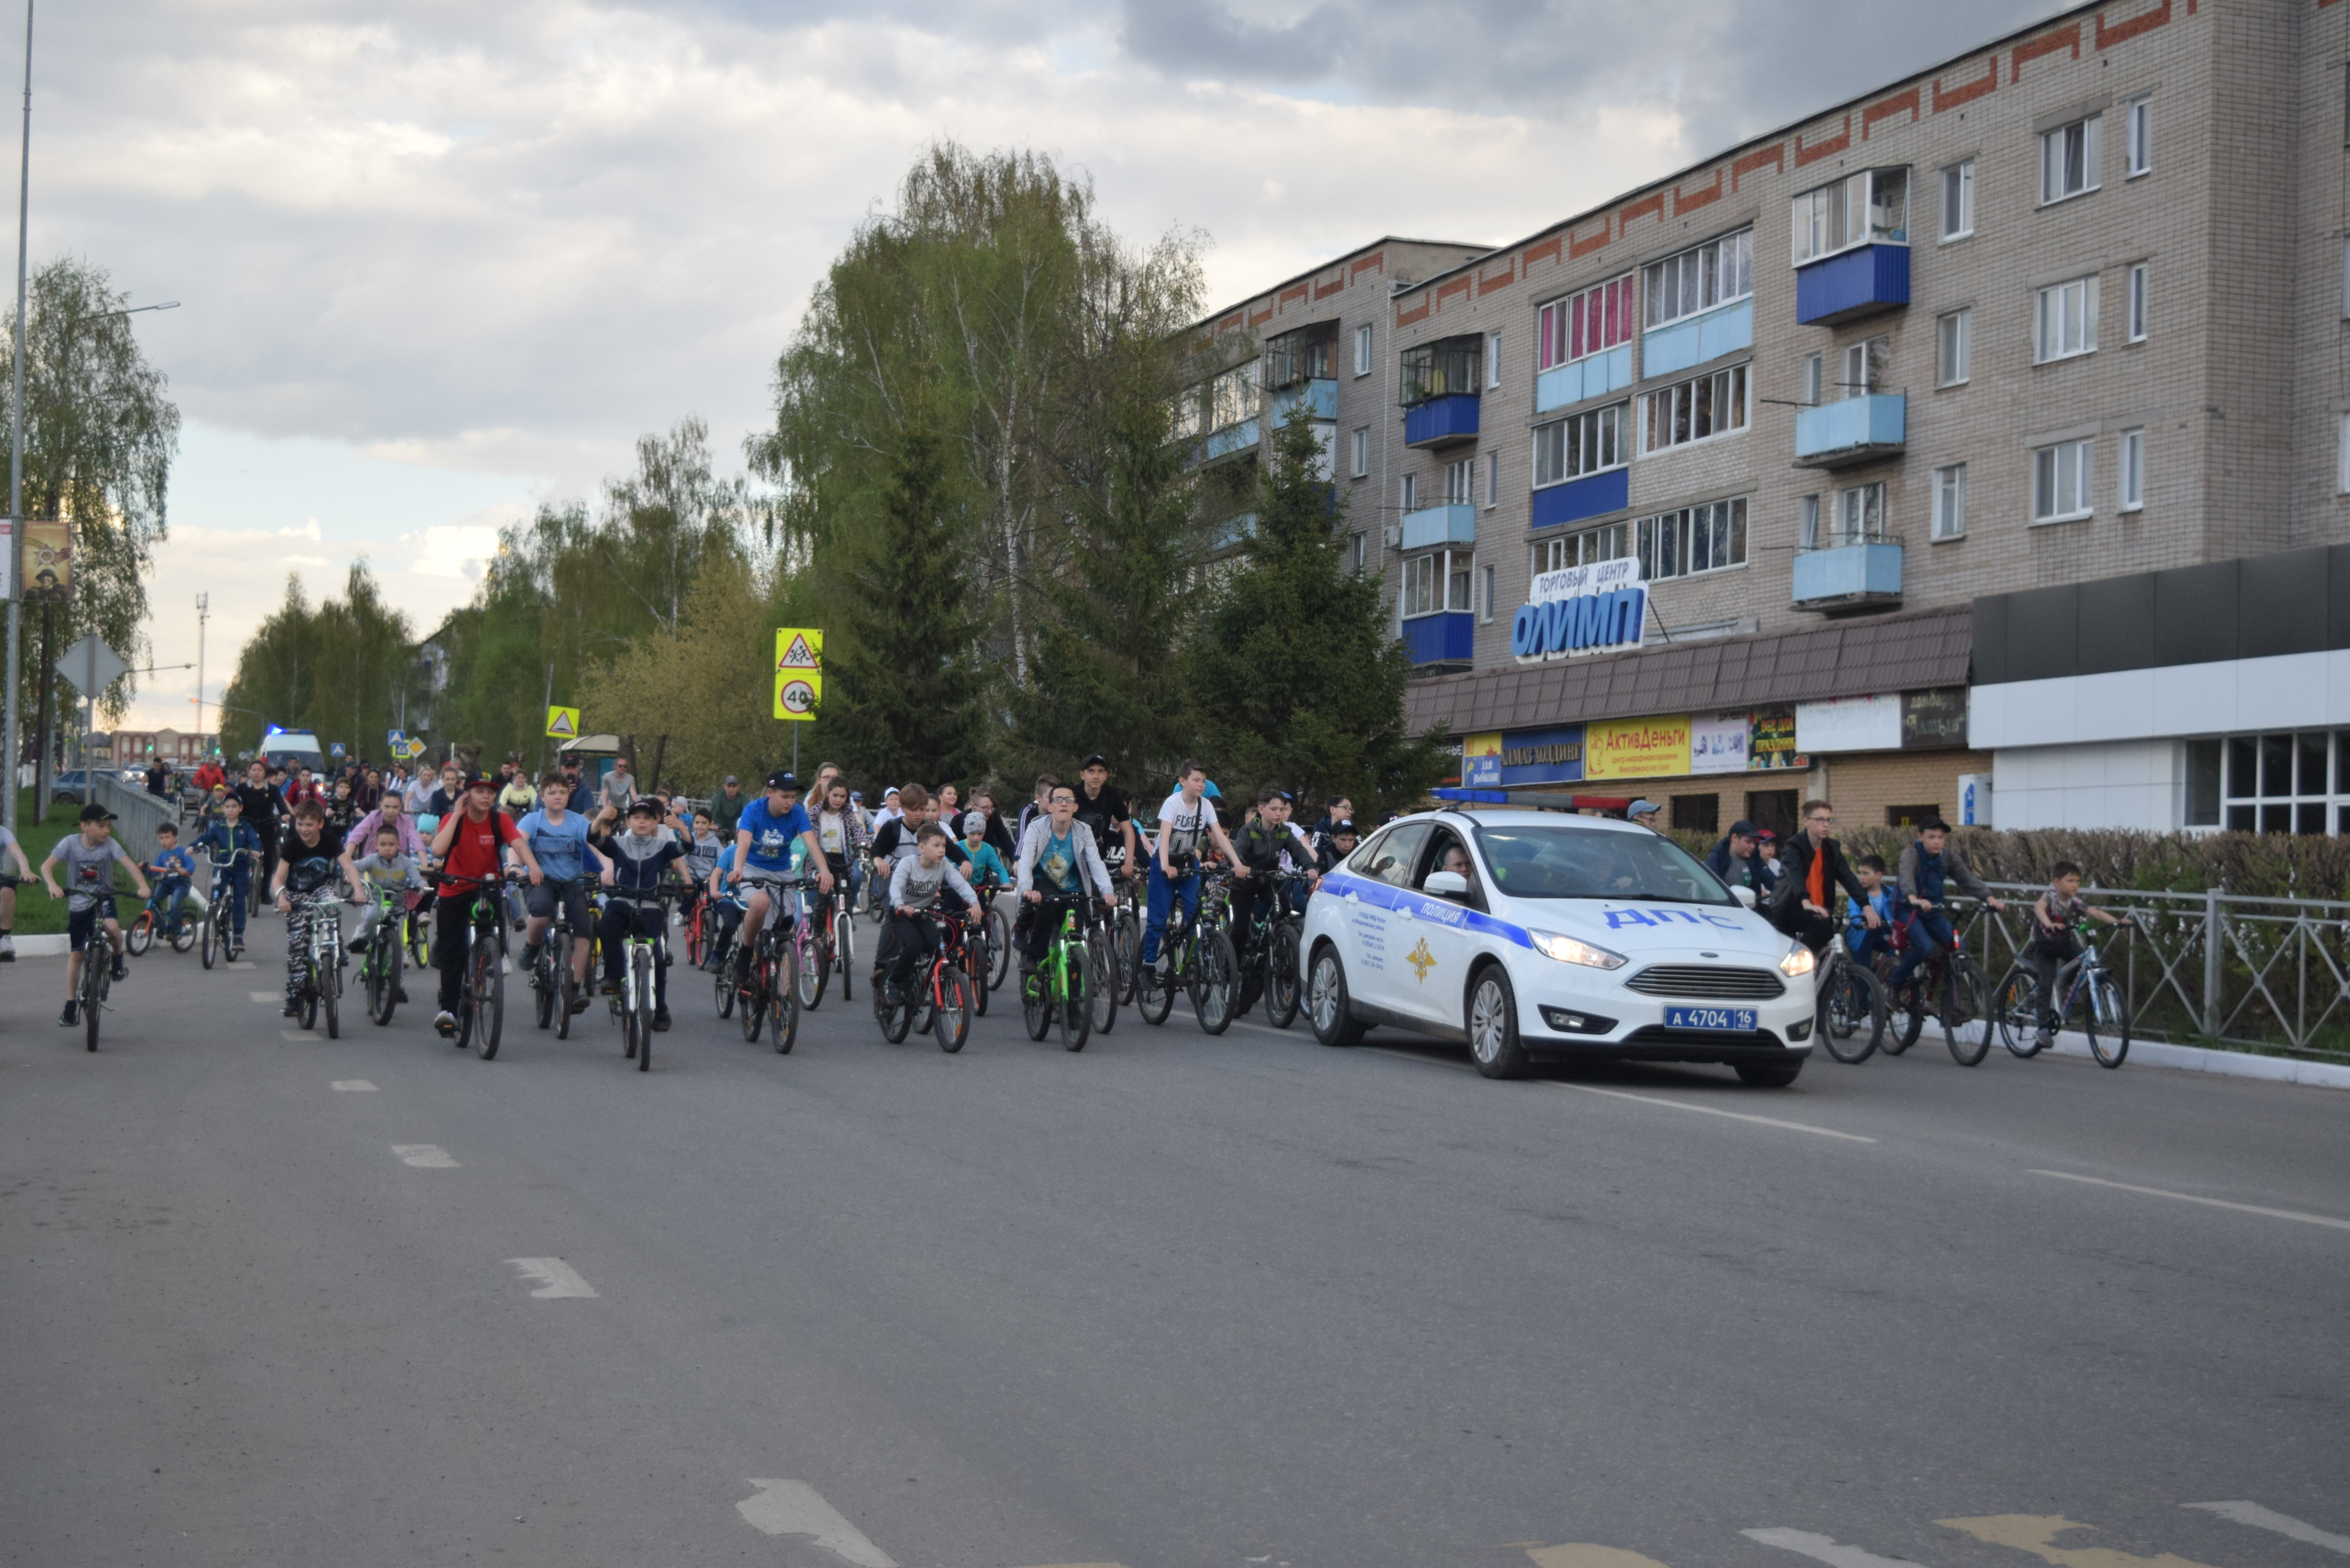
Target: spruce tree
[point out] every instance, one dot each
(1294, 677)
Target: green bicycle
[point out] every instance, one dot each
(1198, 957)
(382, 958)
(1064, 990)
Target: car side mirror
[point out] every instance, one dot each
(1744, 894)
(1446, 885)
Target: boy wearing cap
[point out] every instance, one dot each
(1928, 865)
(1105, 809)
(89, 859)
(636, 860)
(1644, 812)
(763, 837)
(1738, 860)
(468, 845)
(1337, 843)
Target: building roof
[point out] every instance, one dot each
(1904, 652)
(1480, 247)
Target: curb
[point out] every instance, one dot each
(52, 946)
(2225, 1063)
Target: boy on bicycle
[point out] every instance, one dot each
(467, 844)
(303, 889)
(914, 887)
(174, 871)
(1268, 845)
(2054, 915)
(386, 866)
(636, 862)
(1927, 865)
(764, 837)
(89, 859)
(986, 870)
(233, 846)
(1865, 941)
(1059, 861)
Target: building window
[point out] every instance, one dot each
(1411, 493)
(1807, 531)
(2133, 474)
(2270, 784)
(1950, 502)
(1812, 378)
(1585, 443)
(1363, 350)
(1362, 451)
(1485, 607)
(1436, 583)
(2066, 321)
(1358, 551)
(2137, 302)
(2068, 159)
(2138, 119)
(1610, 542)
(1871, 207)
(1589, 322)
(1460, 482)
(1695, 539)
(1492, 480)
(1701, 277)
(1865, 365)
(2062, 481)
(1958, 201)
(2342, 460)
(1694, 411)
(1860, 514)
(1953, 347)
(1493, 359)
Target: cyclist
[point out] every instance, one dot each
(391, 811)
(701, 851)
(1105, 809)
(388, 864)
(1045, 783)
(896, 840)
(999, 837)
(2053, 946)
(985, 868)
(466, 844)
(16, 854)
(90, 858)
(725, 916)
(1264, 844)
(517, 796)
(914, 885)
(1927, 863)
(1863, 941)
(726, 808)
(1814, 867)
(1184, 820)
(1059, 861)
(233, 849)
(1738, 860)
(558, 843)
(637, 859)
(264, 812)
(839, 830)
(890, 811)
(303, 889)
(1342, 840)
(763, 837)
(174, 871)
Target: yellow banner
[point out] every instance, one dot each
(799, 671)
(1636, 748)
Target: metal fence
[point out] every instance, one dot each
(137, 815)
(2206, 968)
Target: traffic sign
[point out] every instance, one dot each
(90, 667)
(335, 750)
(799, 671)
(562, 723)
(398, 741)
(415, 750)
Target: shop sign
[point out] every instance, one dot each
(1850, 724)
(1542, 756)
(1637, 748)
(1480, 759)
(1598, 607)
(1771, 741)
(1933, 721)
(1718, 742)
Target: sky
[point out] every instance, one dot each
(438, 262)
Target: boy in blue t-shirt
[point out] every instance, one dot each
(1864, 943)
(174, 871)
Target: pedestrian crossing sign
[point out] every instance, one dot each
(562, 723)
(799, 673)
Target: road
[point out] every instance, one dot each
(1176, 1301)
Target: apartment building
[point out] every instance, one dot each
(1978, 446)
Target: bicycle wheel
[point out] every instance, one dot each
(330, 991)
(951, 1019)
(814, 968)
(490, 979)
(1907, 1011)
(1283, 988)
(1073, 1012)
(544, 987)
(2106, 1020)
(1966, 1012)
(1214, 982)
(755, 999)
(1852, 1014)
(141, 936)
(1154, 994)
(894, 1018)
(383, 979)
(2014, 1014)
(420, 940)
(723, 984)
(694, 952)
(999, 946)
(641, 1010)
(211, 936)
(93, 990)
(1036, 996)
(183, 935)
(1101, 979)
(1129, 956)
(844, 932)
(309, 1019)
(783, 1012)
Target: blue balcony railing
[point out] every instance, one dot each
(1593, 495)
(1851, 284)
(1228, 440)
(1319, 396)
(1433, 525)
(1852, 429)
(1849, 576)
(1724, 330)
(1447, 639)
(1565, 385)
(1441, 422)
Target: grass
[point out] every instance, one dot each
(36, 913)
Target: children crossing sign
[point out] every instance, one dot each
(799, 671)
(562, 723)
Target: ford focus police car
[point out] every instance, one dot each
(1531, 934)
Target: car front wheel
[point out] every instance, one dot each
(1326, 1002)
(1494, 1026)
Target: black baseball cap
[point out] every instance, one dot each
(784, 778)
(477, 780)
(1346, 828)
(645, 803)
(1092, 760)
(1742, 829)
(1933, 824)
(94, 812)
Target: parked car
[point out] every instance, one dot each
(72, 784)
(1563, 938)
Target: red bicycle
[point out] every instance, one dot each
(941, 997)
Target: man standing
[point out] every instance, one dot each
(618, 789)
(727, 809)
(158, 779)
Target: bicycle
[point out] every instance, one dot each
(980, 949)
(769, 982)
(2105, 1005)
(1074, 980)
(1126, 937)
(321, 985)
(220, 898)
(633, 1006)
(380, 963)
(1850, 998)
(1954, 985)
(482, 994)
(1198, 957)
(940, 1001)
(812, 942)
(177, 930)
(1270, 970)
(551, 978)
(96, 966)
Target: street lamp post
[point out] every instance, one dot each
(17, 452)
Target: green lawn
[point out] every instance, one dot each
(36, 912)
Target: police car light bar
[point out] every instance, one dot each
(1539, 800)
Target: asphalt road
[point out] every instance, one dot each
(1174, 1301)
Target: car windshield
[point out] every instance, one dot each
(1538, 861)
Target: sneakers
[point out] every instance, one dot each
(579, 1002)
(2042, 1039)
(445, 1022)
(71, 1016)
(7, 948)
(121, 970)
(610, 985)
(293, 1009)
(661, 1020)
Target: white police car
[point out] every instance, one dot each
(1552, 935)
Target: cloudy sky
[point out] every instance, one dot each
(439, 261)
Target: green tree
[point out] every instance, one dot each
(340, 670)
(1295, 678)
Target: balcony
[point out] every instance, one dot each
(1242, 437)
(1433, 525)
(1852, 431)
(1593, 495)
(1233, 530)
(1861, 575)
(1851, 284)
(1319, 396)
(1447, 639)
(1724, 330)
(1442, 421)
(1563, 386)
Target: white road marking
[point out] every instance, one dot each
(267, 995)
(555, 1278)
(423, 1156)
(299, 1034)
(1711, 1111)
(2261, 1518)
(354, 1086)
(794, 1508)
(240, 963)
(2208, 1202)
(1824, 1550)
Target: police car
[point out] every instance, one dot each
(1538, 934)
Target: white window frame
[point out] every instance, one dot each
(2062, 312)
(2342, 459)
(2135, 311)
(1949, 502)
(1592, 442)
(1867, 207)
(1493, 359)
(1814, 378)
(1865, 364)
(1703, 266)
(1717, 516)
(1441, 567)
(1363, 350)
(1555, 321)
(1407, 493)
(2066, 471)
(1958, 182)
(1608, 542)
(1954, 334)
(1737, 379)
(1460, 482)
(1485, 582)
(1808, 524)
(1859, 517)
(1362, 452)
(2057, 153)
(2130, 471)
(2137, 126)
(1360, 551)
(1492, 480)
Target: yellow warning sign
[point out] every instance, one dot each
(799, 671)
(562, 723)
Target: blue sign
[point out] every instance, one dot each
(396, 739)
(1582, 610)
(335, 750)
(1541, 756)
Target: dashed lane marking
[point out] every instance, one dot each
(557, 1278)
(267, 995)
(794, 1507)
(2269, 1518)
(425, 1156)
(299, 1034)
(1820, 1547)
(1585, 1554)
(1714, 1111)
(240, 963)
(2037, 1533)
(354, 1086)
(2206, 1202)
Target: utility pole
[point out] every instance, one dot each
(16, 454)
(203, 613)
(550, 703)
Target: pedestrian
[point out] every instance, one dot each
(1644, 812)
(1738, 861)
(726, 809)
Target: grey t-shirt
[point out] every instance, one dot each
(89, 873)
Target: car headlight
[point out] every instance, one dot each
(1800, 961)
(1566, 949)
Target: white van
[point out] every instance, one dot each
(290, 749)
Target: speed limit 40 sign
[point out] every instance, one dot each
(799, 673)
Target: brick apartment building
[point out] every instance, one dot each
(1977, 446)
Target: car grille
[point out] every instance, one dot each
(1709, 982)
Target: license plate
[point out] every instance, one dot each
(1726, 1019)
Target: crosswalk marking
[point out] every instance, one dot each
(1585, 1554)
(1821, 1547)
(796, 1508)
(267, 995)
(557, 1279)
(425, 1156)
(2206, 1202)
(2269, 1518)
(299, 1034)
(2037, 1533)
(354, 1086)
